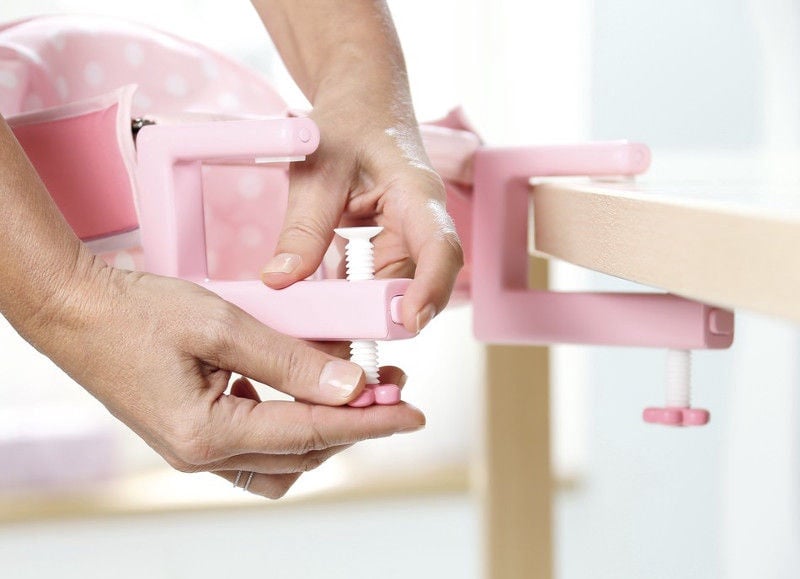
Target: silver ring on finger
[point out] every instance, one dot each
(249, 480)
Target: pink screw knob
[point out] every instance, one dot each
(676, 416)
(677, 411)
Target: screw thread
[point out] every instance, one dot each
(360, 257)
(679, 369)
(360, 263)
(365, 354)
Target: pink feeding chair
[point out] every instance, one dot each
(202, 192)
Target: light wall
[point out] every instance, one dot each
(679, 75)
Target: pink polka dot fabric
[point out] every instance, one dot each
(55, 60)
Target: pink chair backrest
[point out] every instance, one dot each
(53, 61)
(56, 60)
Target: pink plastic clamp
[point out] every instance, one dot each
(506, 311)
(172, 229)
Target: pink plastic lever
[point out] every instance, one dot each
(333, 309)
(173, 230)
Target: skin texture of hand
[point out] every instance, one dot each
(159, 352)
(371, 167)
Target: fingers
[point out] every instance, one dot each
(242, 344)
(276, 427)
(271, 486)
(314, 210)
(278, 463)
(435, 247)
(392, 375)
(244, 389)
(337, 349)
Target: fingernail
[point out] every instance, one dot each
(412, 428)
(424, 316)
(340, 378)
(282, 263)
(402, 381)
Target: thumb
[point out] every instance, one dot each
(248, 347)
(315, 208)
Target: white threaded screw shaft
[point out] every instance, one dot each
(365, 354)
(361, 266)
(679, 370)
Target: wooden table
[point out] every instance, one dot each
(723, 229)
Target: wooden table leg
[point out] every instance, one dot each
(518, 490)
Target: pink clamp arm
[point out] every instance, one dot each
(507, 312)
(170, 181)
(173, 230)
(333, 309)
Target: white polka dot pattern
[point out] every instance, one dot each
(249, 185)
(84, 57)
(228, 101)
(176, 85)
(33, 102)
(93, 74)
(210, 69)
(134, 54)
(62, 87)
(250, 236)
(141, 102)
(8, 79)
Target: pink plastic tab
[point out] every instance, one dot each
(670, 416)
(720, 322)
(321, 310)
(366, 398)
(387, 394)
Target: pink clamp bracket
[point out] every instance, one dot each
(506, 311)
(172, 229)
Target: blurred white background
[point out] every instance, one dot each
(683, 76)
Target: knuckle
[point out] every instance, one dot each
(315, 438)
(311, 461)
(296, 365)
(306, 437)
(191, 450)
(275, 493)
(452, 240)
(219, 331)
(278, 489)
(181, 465)
(306, 444)
(306, 228)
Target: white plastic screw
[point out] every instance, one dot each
(679, 369)
(361, 266)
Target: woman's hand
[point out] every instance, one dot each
(159, 354)
(371, 166)
(368, 171)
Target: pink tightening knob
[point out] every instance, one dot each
(676, 416)
(677, 411)
(366, 398)
(386, 394)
